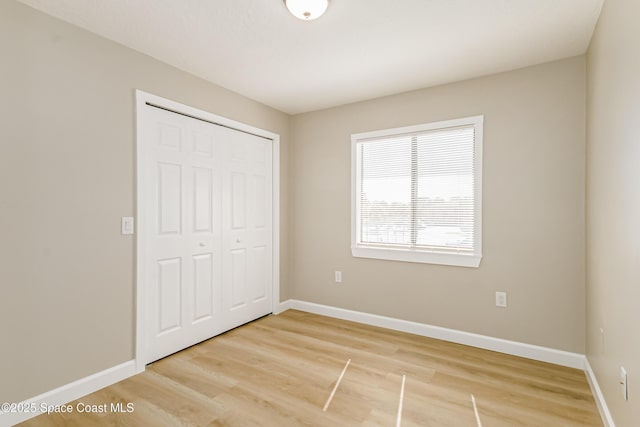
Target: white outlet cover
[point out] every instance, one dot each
(623, 383)
(501, 299)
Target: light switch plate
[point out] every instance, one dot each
(127, 225)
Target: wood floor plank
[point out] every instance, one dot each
(280, 370)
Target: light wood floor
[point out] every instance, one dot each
(280, 370)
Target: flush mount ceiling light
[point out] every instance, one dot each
(307, 10)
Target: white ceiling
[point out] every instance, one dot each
(360, 49)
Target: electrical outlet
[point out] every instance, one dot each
(338, 276)
(623, 383)
(501, 299)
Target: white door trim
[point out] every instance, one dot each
(142, 98)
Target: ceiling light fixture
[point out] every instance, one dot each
(307, 10)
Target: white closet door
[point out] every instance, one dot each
(246, 227)
(184, 244)
(208, 230)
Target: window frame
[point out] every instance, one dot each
(418, 255)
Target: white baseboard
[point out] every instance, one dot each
(544, 354)
(70, 392)
(283, 306)
(607, 419)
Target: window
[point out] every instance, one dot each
(416, 193)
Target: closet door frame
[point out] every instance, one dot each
(143, 100)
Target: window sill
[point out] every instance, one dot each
(413, 255)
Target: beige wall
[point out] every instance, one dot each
(67, 175)
(613, 206)
(533, 196)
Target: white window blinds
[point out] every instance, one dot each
(418, 190)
